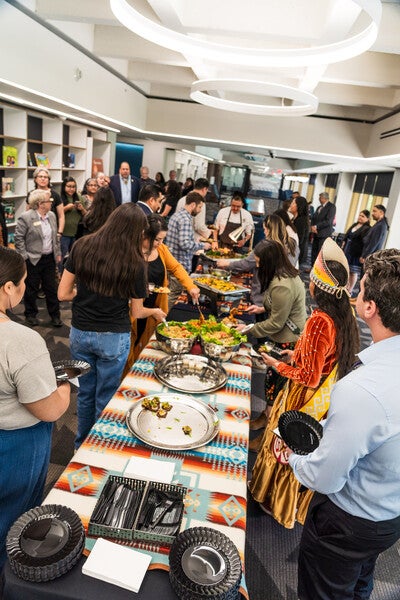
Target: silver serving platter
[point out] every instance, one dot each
(166, 433)
(191, 373)
(239, 289)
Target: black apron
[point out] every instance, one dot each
(224, 239)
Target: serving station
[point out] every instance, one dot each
(209, 461)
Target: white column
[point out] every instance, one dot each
(344, 192)
(393, 212)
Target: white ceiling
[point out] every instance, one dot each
(365, 88)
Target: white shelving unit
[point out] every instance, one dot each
(31, 132)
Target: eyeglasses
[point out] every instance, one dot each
(91, 185)
(45, 201)
(42, 177)
(70, 186)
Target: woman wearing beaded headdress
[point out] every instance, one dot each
(325, 351)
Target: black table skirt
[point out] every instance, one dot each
(76, 586)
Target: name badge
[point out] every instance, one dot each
(36, 223)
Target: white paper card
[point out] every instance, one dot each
(117, 564)
(150, 469)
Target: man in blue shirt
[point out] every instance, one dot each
(180, 239)
(355, 514)
(125, 186)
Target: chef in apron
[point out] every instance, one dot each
(230, 219)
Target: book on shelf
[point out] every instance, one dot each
(9, 213)
(71, 160)
(97, 166)
(7, 186)
(29, 160)
(10, 156)
(42, 160)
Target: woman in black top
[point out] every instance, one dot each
(299, 209)
(109, 269)
(172, 195)
(102, 206)
(353, 246)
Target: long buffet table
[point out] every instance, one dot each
(215, 476)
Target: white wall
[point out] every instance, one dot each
(34, 57)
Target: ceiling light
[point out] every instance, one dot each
(276, 58)
(304, 102)
(197, 154)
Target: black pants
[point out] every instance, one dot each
(44, 272)
(338, 552)
(316, 247)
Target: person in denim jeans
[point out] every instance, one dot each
(108, 268)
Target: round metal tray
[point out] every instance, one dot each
(66, 370)
(191, 373)
(166, 433)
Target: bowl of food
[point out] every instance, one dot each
(221, 274)
(175, 337)
(220, 342)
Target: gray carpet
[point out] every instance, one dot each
(271, 550)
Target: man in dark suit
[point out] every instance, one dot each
(124, 186)
(150, 198)
(322, 224)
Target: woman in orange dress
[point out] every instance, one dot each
(160, 262)
(326, 350)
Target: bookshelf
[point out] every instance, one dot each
(68, 146)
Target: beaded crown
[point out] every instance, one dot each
(320, 273)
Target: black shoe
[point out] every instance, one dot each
(41, 294)
(56, 322)
(32, 321)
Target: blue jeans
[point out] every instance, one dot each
(24, 460)
(106, 353)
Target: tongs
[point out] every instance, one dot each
(201, 318)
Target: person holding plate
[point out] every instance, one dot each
(325, 351)
(160, 263)
(30, 402)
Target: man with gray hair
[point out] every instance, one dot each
(322, 224)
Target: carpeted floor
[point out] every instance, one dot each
(271, 550)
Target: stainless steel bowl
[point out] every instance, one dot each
(221, 274)
(218, 351)
(174, 345)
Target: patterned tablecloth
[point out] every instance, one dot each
(215, 474)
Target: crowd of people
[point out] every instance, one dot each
(120, 241)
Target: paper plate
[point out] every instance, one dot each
(204, 563)
(69, 369)
(45, 542)
(300, 432)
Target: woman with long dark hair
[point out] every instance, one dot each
(299, 209)
(353, 246)
(74, 209)
(29, 402)
(89, 189)
(101, 208)
(172, 192)
(109, 270)
(285, 310)
(326, 351)
(161, 264)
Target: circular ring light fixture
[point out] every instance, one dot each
(252, 57)
(308, 103)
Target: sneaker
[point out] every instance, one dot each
(56, 322)
(32, 321)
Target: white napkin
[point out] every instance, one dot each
(117, 564)
(150, 469)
